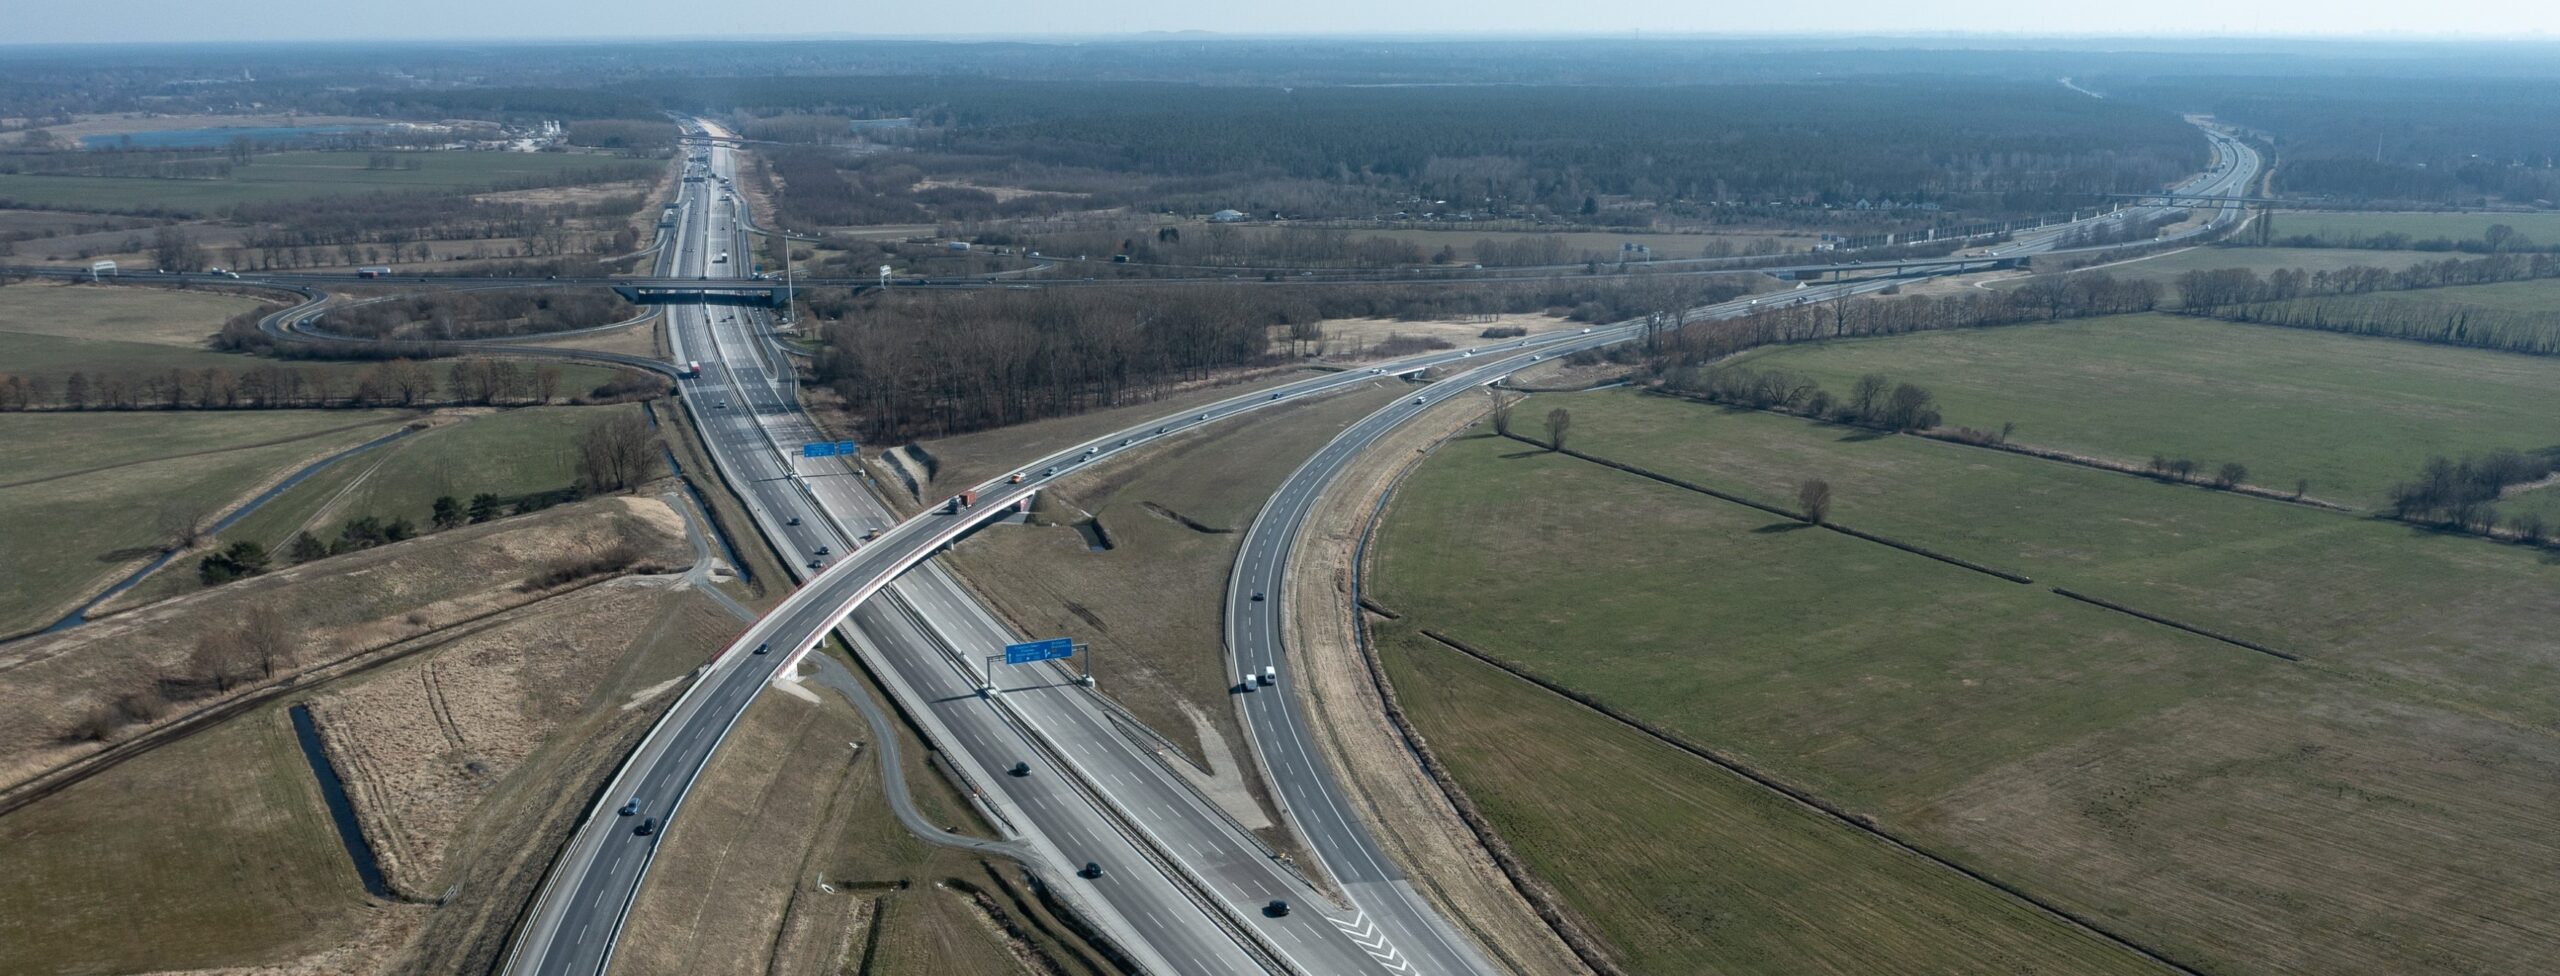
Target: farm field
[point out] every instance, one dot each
(181, 317)
(1687, 868)
(305, 175)
(151, 838)
(2350, 415)
(2335, 588)
(2344, 228)
(2230, 810)
(89, 492)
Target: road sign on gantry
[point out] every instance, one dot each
(1043, 650)
(818, 449)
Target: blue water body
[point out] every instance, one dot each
(81, 616)
(333, 792)
(207, 138)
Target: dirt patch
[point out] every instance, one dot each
(1351, 340)
(554, 196)
(1408, 814)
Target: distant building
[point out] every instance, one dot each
(1227, 216)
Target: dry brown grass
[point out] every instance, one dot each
(340, 607)
(423, 744)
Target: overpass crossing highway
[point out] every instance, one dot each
(1182, 882)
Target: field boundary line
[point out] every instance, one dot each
(2055, 455)
(2240, 642)
(1807, 800)
(1861, 534)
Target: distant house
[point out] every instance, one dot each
(1227, 216)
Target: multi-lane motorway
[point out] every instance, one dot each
(1181, 886)
(1256, 606)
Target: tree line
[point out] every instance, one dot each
(2462, 495)
(272, 386)
(434, 317)
(2344, 301)
(1781, 320)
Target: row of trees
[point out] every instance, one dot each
(435, 317)
(2530, 332)
(1778, 321)
(1874, 401)
(397, 382)
(2463, 494)
(2232, 286)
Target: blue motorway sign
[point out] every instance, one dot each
(1045, 650)
(829, 448)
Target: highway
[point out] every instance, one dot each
(1256, 608)
(1181, 885)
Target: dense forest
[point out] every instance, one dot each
(2393, 136)
(1952, 143)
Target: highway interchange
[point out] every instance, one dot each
(1182, 886)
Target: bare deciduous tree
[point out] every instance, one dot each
(614, 452)
(1559, 422)
(1813, 497)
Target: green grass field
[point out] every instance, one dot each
(2350, 415)
(2336, 588)
(508, 453)
(1687, 868)
(2360, 812)
(88, 490)
(305, 175)
(237, 868)
(2342, 228)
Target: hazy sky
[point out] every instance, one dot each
(196, 20)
